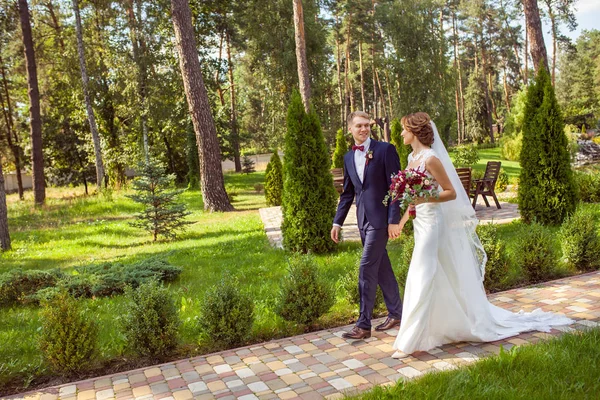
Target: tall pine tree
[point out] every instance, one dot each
(309, 198)
(546, 187)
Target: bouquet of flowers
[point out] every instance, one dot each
(407, 186)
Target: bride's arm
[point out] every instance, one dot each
(436, 169)
(404, 217)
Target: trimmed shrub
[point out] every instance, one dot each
(274, 181)
(547, 191)
(496, 269)
(536, 253)
(152, 319)
(502, 182)
(227, 313)
(341, 147)
(466, 156)
(309, 198)
(304, 294)
(580, 241)
(588, 186)
(68, 339)
(18, 286)
(398, 142)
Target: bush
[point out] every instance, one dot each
(68, 339)
(341, 147)
(588, 186)
(465, 156)
(510, 147)
(398, 142)
(152, 319)
(18, 286)
(349, 287)
(580, 241)
(274, 181)
(227, 313)
(304, 295)
(309, 199)
(502, 182)
(496, 269)
(547, 191)
(536, 253)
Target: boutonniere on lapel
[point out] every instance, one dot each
(368, 156)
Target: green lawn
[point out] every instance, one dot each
(563, 368)
(512, 168)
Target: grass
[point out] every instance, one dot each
(512, 168)
(562, 368)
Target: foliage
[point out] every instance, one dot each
(68, 338)
(152, 319)
(502, 182)
(192, 159)
(588, 186)
(105, 279)
(398, 142)
(580, 241)
(466, 155)
(227, 313)
(163, 214)
(309, 198)
(547, 191)
(511, 147)
(304, 294)
(476, 122)
(341, 147)
(349, 288)
(496, 269)
(247, 164)
(274, 181)
(536, 253)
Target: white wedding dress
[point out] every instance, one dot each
(444, 298)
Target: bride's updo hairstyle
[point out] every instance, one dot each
(419, 125)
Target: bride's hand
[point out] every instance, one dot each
(394, 231)
(418, 200)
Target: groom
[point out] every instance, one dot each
(367, 170)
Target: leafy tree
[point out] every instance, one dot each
(162, 214)
(547, 192)
(475, 109)
(309, 198)
(274, 181)
(341, 147)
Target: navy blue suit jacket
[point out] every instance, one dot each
(370, 193)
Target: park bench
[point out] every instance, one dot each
(486, 185)
(338, 179)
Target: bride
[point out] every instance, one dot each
(444, 298)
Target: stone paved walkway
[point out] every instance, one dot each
(321, 364)
(272, 218)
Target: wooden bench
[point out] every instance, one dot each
(486, 185)
(338, 179)
(465, 178)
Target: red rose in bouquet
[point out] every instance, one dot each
(407, 186)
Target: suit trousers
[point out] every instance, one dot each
(376, 269)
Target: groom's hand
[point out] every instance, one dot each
(335, 234)
(394, 231)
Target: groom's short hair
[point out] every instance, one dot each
(354, 114)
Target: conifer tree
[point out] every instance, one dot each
(341, 147)
(309, 198)
(162, 214)
(274, 181)
(398, 142)
(547, 192)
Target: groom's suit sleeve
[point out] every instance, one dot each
(346, 198)
(392, 166)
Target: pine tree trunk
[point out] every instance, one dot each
(554, 34)
(11, 134)
(4, 234)
(88, 102)
(235, 137)
(339, 77)
(536, 37)
(211, 173)
(456, 68)
(389, 95)
(37, 156)
(362, 76)
(303, 77)
(526, 75)
(506, 97)
(348, 71)
(488, 105)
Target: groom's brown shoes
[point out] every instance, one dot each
(357, 333)
(389, 323)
